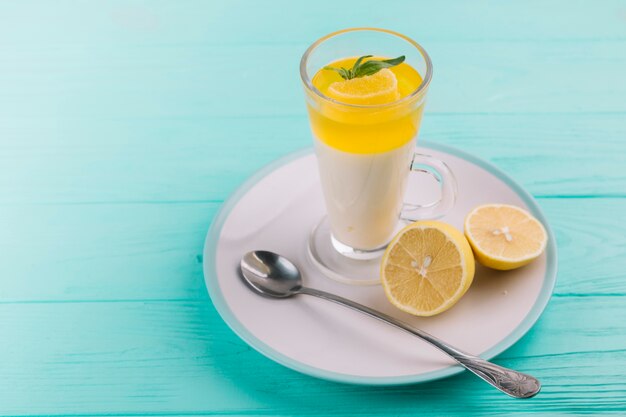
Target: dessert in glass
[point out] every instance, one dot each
(365, 90)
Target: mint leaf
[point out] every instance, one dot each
(371, 67)
(346, 74)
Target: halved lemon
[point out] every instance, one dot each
(379, 88)
(427, 268)
(504, 237)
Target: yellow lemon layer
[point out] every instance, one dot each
(368, 122)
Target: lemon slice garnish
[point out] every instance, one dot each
(380, 88)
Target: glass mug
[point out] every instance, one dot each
(365, 153)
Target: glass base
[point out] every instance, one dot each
(341, 262)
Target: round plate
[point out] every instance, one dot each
(277, 208)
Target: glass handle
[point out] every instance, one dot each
(426, 164)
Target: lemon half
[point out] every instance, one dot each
(427, 268)
(504, 237)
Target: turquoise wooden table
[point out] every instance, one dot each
(125, 125)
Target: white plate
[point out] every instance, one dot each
(277, 208)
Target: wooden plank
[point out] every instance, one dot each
(179, 357)
(183, 80)
(79, 252)
(154, 251)
(200, 159)
(561, 155)
(237, 22)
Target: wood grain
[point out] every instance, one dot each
(114, 161)
(154, 251)
(179, 357)
(183, 81)
(240, 22)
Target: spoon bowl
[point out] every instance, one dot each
(270, 274)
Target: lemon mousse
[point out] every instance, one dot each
(365, 129)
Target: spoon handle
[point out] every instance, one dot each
(513, 383)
